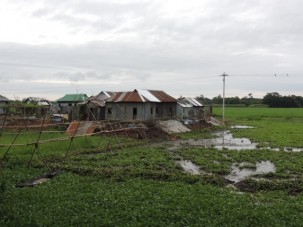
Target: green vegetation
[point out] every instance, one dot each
(231, 101)
(273, 99)
(70, 199)
(141, 183)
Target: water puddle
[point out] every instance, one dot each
(189, 167)
(242, 127)
(286, 149)
(225, 140)
(39, 180)
(293, 149)
(243, 170)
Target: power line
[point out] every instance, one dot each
(267, 75)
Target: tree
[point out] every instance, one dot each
(274, 99)
(204, 100)
(217, 100)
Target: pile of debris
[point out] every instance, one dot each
(155, 130)
(173, 126)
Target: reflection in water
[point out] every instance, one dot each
(222, 139)
(242, 127)
(227, 141)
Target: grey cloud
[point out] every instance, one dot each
(108, 15)
(235, 24)
(119, 56)
(42, 12)
(238, 37)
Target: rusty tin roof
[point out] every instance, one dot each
(142, 96)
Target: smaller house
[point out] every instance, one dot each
(34, 102)
(96, 105)
(37, 101)
(189, 108)
(3, 103)
(68, 105)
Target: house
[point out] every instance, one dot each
(3, 103)
(37, 101)
(140, 105)
(96, 105)
(36, 106)
(68, 105)
(189, 108)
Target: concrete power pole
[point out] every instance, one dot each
(223, 107)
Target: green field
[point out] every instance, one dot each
(144, 186)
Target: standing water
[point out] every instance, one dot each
(189, 167)
(238, 174)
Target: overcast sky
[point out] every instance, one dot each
(54, 47)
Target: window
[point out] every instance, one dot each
(170, 111)
(109, 110)
(134, 111)
(151, 111)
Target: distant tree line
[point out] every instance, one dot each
(272, 99)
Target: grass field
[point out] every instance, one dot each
(143, 185)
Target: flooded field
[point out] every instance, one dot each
(225, 140)
(241, 176)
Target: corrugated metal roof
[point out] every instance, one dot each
(142, 96)
(126, 97)
(189, 102)
(183, 104)
(107, 93)
(37, 100)
(77, 128)
(99, 100)
(122, 97)
(194, 102)
(162, 96)
(73, 98)
(3, 99)
(149, 96)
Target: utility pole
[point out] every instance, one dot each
(223, 107)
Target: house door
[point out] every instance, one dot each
(134, 113)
